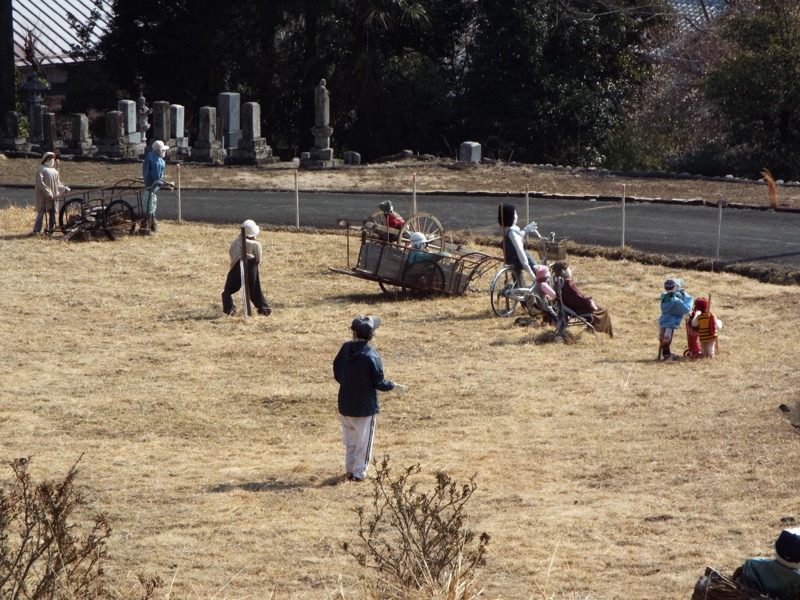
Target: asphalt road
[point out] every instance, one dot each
(670, 229)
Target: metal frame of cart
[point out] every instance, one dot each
(386, 257)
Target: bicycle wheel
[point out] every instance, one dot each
(70, 215)
(506, 279)
(119, 220)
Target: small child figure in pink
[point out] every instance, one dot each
(708, 326)
(543, 292)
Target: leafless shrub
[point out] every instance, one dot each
(417, 542)
(44, 553)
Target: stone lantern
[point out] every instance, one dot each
(35, 89)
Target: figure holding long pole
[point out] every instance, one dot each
(245, 256)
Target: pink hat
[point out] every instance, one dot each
(542, 272)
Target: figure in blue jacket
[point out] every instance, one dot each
(777, 577)
(153, 170)
(358, 370)
(675, 303)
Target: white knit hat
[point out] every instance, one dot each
(250, 228)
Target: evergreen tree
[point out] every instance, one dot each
(756, 87)
(547, 79)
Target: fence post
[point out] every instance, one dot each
(527, 205)
(622, 243)
(179, 192)
(720, 204)
(414, 193)
(296, 202)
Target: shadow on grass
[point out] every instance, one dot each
(275, 485)
(256, 486)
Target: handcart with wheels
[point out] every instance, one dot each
(385, 256)
(113, 211)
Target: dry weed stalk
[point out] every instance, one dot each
(43, 552)
(419, 542)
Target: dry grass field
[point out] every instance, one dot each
(214, 446)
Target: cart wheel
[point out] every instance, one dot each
(427, 225)
(377, 218)
(71, 215)
(119, 219)
(505, 280)
(425, 276)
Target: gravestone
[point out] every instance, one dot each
(133, 139)
(177, 132)
(128, 110)
(321, 155)
(12, 136)
(113, 143)
(252, 148)
(36, 123)
(469, 152)
(50, 141)
(79, 142)
(228, 107)
(161, 126)
(352, 158)
(208, 148)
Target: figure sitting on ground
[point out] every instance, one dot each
(578, 302)
(233, 282)
(707, 325)
(777, 577)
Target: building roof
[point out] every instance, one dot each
(694, 15)
(51, 29)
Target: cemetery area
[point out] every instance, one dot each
(214, 447)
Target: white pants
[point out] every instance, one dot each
(357, 434)
(709, 348)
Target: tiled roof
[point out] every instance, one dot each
(47, 20)
(691, 13)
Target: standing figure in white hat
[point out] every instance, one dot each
(153, 170)
(48, 187)
(233, 282)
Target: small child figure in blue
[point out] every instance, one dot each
(675, 303)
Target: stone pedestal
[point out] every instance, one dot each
(321, 155)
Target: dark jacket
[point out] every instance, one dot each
(359, 371)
